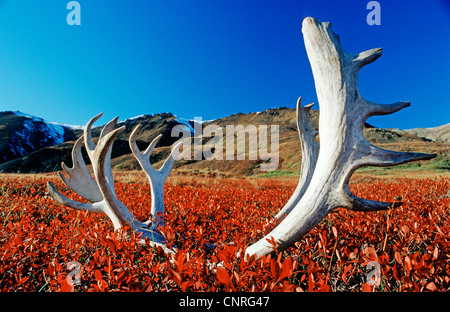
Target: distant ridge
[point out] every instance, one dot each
(21, 134)
(29, 144)
(437, 134)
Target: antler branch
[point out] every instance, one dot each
(156, 178)
(310, 150)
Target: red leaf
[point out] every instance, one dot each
(324, 288)
(223, 277)
(287, 268)
(275, 269)
(111, 244)
(174, 275)
(186, 284)
(19, 241)
(395, 272)
(180, 257)
(23, 280)
(397, 257)
(273, 242)
(121, 277)
(51, 269)
(431, 286)
(98, 275)
(407, 264)
(311, 282)
(65, 287)
(366, 287)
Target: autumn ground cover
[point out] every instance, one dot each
(40, 238)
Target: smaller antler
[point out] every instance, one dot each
(100, 192)
(155, 177)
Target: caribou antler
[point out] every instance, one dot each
(156, 178)
(100, 192)
(343, 148)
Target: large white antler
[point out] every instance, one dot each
(100, 192)
(343, 148)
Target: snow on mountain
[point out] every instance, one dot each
(186, 123)
(133, 119)
(53, 131)
(56, 124)
(34, 133)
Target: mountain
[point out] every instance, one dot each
(29, 144)
(32, 145)
(437, 134)
(21, 134)
(290, 148)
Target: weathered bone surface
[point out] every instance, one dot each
(343, 148)
(310, 150)
(323, 184)
(100, 192)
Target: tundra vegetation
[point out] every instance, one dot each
(320, 235)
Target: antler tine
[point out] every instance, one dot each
(152, 146)
(110, 126)
(79, 178)
(91, 147)
(310, 150)
(100, 206)
(155, 177)
(367, 57)
(143, 157)
(63, 200)
(167, 166)
(88, 142)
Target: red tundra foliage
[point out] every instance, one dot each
(39, 238)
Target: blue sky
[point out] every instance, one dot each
(213, 58)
